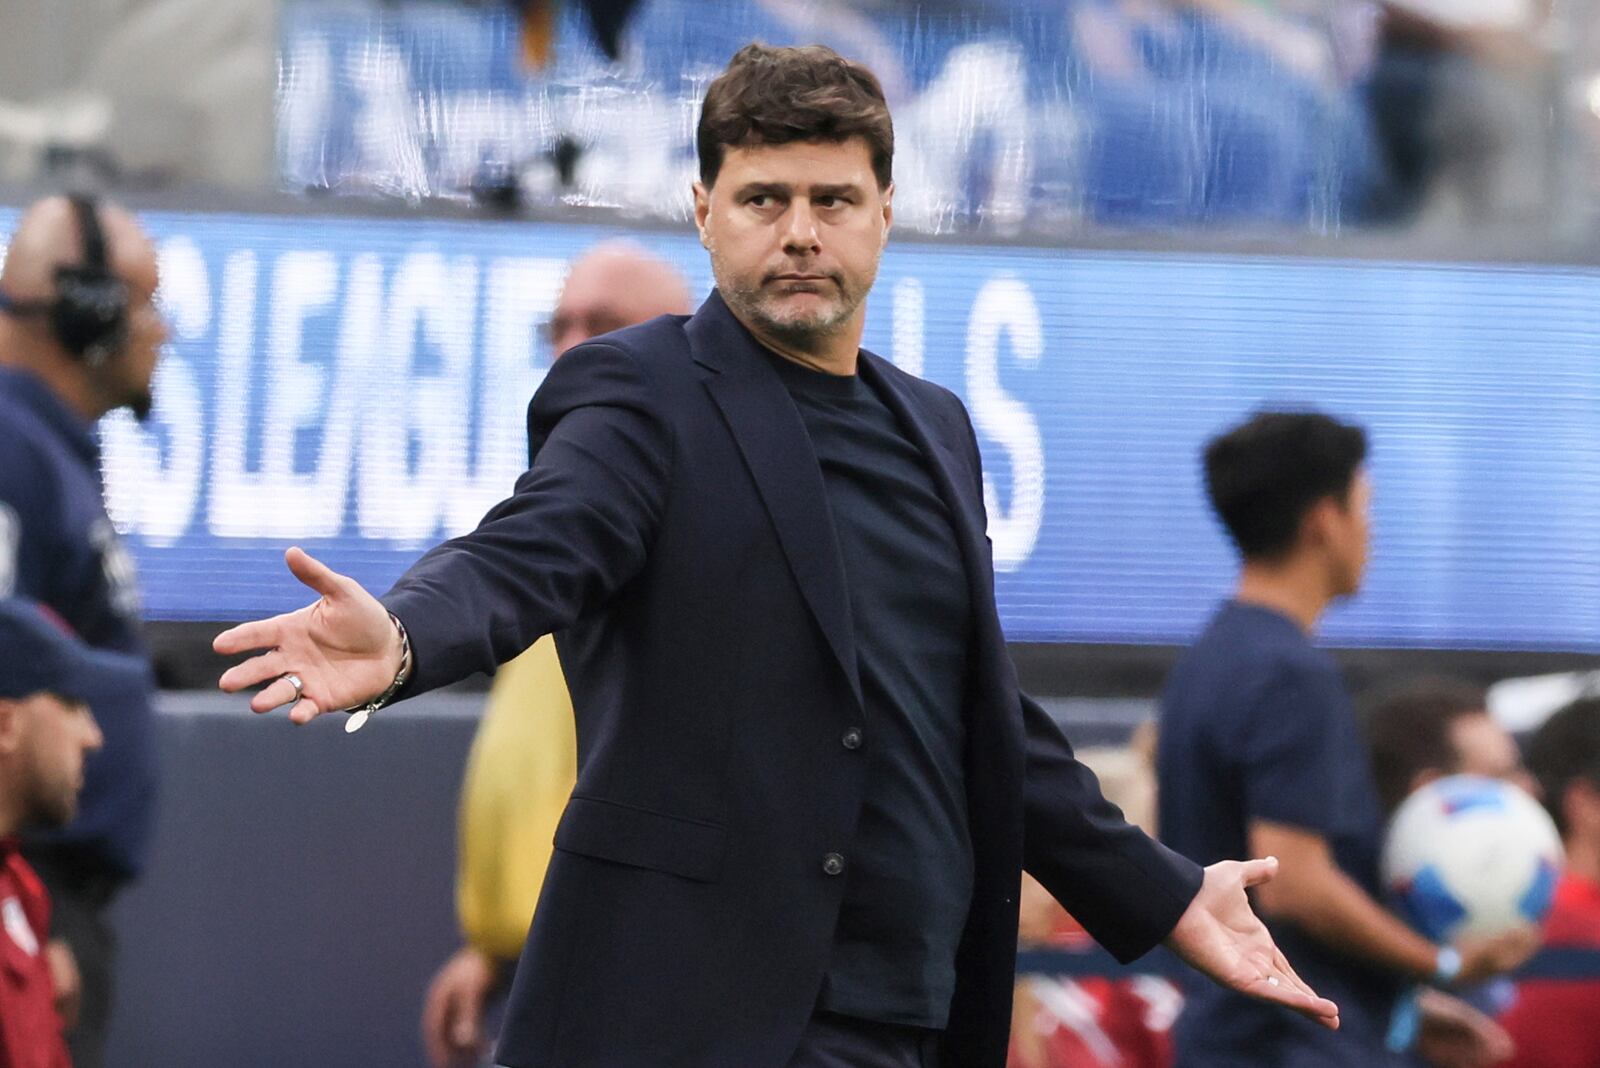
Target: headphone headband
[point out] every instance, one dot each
(89, 313)
(85, 207)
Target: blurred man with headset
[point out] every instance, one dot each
(79, 338)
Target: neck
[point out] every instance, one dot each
(1295, 588)
(834, 353)
(65, 379)
(10, 814)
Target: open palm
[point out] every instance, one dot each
(342, 647)
(1222, 936)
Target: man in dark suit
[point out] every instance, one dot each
(807, 781)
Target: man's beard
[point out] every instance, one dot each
(806, 332)
(141, 405)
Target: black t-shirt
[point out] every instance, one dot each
(1256, 724)
(911, 870)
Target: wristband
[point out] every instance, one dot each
(1447, 965)
(1405, 1024)
(359, 714)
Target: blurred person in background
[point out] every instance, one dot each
(762, 549)
(1260, 753)
(524, 758)
(1552, 1021)
(1280, 137)
(79, 337)
(1093, 1021)
(1425, 729)
(49, 680)
(1459, 110)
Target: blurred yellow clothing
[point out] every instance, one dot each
(520, 774)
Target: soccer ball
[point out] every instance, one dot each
(1468, 855)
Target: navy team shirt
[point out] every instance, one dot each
(57, 546)
(1256, 724)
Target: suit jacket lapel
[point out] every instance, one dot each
(778, 452)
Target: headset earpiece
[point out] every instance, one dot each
(90, 312)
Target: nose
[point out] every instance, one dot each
(800, 235)
(92, 739)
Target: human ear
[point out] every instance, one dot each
(10, 726)
(702, 210)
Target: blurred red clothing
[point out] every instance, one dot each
(1093, 1023)
(1089, 1021)
(1553, 1022)
(30, 1028)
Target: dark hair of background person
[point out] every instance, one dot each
(1266, 474)
(1565, 748)
(774, 96)
(1408, 732)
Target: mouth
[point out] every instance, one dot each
(800, 283)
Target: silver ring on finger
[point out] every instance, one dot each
(299, 687)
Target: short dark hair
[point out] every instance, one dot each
(773, 96)
(1408, 732)
(1564, 749)
(1266, 474)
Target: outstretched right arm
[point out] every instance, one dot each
(578, 526)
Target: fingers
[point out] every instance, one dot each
(268, 633)
(67, 980)
(450, 1023)
(1256, 872)
(468, 1013)
(253, 672)
(1486, 957)
(280, 692)
(304, 711)
(1520, 944)
(261, 634)
(1497, 1042)
(1304, 1002)
(434, 1030)
(313, 572)
(1286, 973)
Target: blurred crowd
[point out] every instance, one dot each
(1022, 115)
(1038, 116)
(1373, 113)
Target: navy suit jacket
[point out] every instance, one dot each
(673, 532)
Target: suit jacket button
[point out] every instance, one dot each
(833, 864)
(852, 738)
